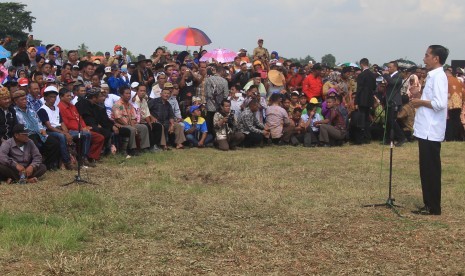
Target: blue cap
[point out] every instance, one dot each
(193, 108)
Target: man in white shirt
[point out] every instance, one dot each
(430, 128)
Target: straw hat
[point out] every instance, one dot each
(276, 77)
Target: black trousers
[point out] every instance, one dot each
(454, 126)
(430, 173)
(392, 123)
(252, 139)
(155, 132)
(366, 132)
(209, 119)
(50, 150)
(10, 172)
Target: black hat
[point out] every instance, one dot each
(317, 67)
(19, 128)
(141, 58)
(256, 75)
(346, 69)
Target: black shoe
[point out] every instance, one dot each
(400, 143)
(425, 211)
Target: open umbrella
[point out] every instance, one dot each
(4, 53)
(406, 64)
(348, 64)
(188, 36)
(220, 55)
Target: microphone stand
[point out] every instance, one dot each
(77, 178)
(390, 200)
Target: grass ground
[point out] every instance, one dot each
(275, 210)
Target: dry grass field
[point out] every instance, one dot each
(264, 211)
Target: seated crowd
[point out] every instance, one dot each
(55, 112)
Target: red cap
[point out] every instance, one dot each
(117, 48)
(23, 82)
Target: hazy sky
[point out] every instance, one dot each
(380, 30)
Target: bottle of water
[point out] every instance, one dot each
(22, 178)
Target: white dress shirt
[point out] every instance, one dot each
(430, 124)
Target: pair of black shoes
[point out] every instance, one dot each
(426, 211)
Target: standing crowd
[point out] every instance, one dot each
(58, 109)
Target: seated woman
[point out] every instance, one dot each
(225, 124)
(277, 121)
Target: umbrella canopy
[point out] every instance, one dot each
(220, 55)
(41, 50)
(4, 53)
(347, 64)
(406, 64)
(188, 36)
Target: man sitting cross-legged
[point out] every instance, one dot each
(334, 126)
(19, 157)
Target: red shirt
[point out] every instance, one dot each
(312, 87)
(70, 116)
(294, 81)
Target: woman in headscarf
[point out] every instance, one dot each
(334, 79)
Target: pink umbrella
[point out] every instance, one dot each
(220, 55)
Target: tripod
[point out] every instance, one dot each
(77, 178)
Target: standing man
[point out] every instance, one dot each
(312, 85)
(216, 90)
(393, 103)
(260, 53)
(430, 128)
(366, 86)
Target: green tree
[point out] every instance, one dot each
(328, 60)
(82, 49)
(14, 21)
(303, 61)
(99, 53)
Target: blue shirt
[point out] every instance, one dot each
(33, 103)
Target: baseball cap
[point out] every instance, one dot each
(23, 82)
(108, 69)
(193, 108)
(19, 128)
(134, 84)
(50, 89)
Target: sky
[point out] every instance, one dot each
(380, 30)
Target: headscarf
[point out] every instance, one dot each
(334, 77)
(276, 54)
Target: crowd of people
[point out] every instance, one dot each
(58, 109)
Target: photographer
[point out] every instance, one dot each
(225, 124)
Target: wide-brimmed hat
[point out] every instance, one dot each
(276, 77)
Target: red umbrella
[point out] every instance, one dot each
(188, 37)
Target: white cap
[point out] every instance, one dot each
(108, 69)
(51, 88)
(134, 84)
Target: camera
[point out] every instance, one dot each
(231, 118)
